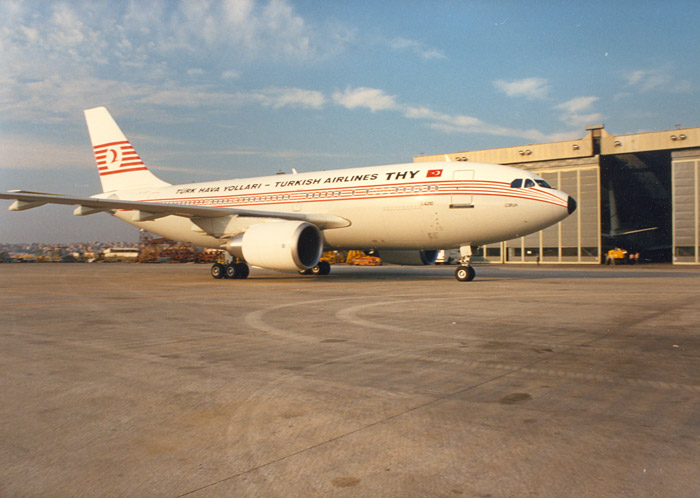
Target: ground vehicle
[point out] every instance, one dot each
(615, 256)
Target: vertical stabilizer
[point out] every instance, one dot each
(118, 164)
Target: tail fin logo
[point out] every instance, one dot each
(117, 157)
(113, 157)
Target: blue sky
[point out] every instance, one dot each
(211, 90)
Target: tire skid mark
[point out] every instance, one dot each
(348, 314)
(255, 319)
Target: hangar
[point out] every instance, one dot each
(638, 192)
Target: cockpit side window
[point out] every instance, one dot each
(517, 183)
(543, 183)
(529, 183)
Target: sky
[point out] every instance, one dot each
(208, 90)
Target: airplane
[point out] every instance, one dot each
(403, 212)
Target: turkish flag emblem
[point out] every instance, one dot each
(433, 173)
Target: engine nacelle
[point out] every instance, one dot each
(279, 245)
(408, 257)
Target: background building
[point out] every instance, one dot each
(639, 192)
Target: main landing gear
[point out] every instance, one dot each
(231, 270)
(465, 272)
(241, 270)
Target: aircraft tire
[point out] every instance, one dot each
(242, 271)
(236, 271)
(465, 273)
(322, 268)
(218, 270)
(230, 271)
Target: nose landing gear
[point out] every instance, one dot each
(465, 272)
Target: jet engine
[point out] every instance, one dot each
(279, 245)
(409, 257)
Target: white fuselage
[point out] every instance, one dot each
(404, 206)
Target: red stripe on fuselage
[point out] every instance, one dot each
(365, 192)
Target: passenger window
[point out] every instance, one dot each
(529, 183)
(516, 183)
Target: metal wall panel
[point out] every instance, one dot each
(686, 233)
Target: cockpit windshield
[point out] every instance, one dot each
(529, 183)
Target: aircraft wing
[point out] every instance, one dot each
(145, 211)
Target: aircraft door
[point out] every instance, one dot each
(462, 196)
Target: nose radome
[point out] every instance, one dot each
(571, 205)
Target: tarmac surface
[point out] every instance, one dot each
(156, 380)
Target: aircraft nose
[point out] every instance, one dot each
(571, 204)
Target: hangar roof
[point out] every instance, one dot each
(596, 142)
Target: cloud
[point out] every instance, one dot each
(86, 36)
(530, 88)
(446, 122)
(246, 27)
(375, 100)
(647, 80)
(577, 104)
(575, 111)
(290, 97)
(195, 72)
(205, 96)
(25, 153)
(71, 54)
(371, 98)
(657, 79)
(58, 97)
(230, 75)
(416, 47)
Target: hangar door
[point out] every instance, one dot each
(686, 207)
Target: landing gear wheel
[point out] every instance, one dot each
(242, 270)
(218, 270)
(230, 271)
(465, 273)
(322, 268)
(236, 270)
